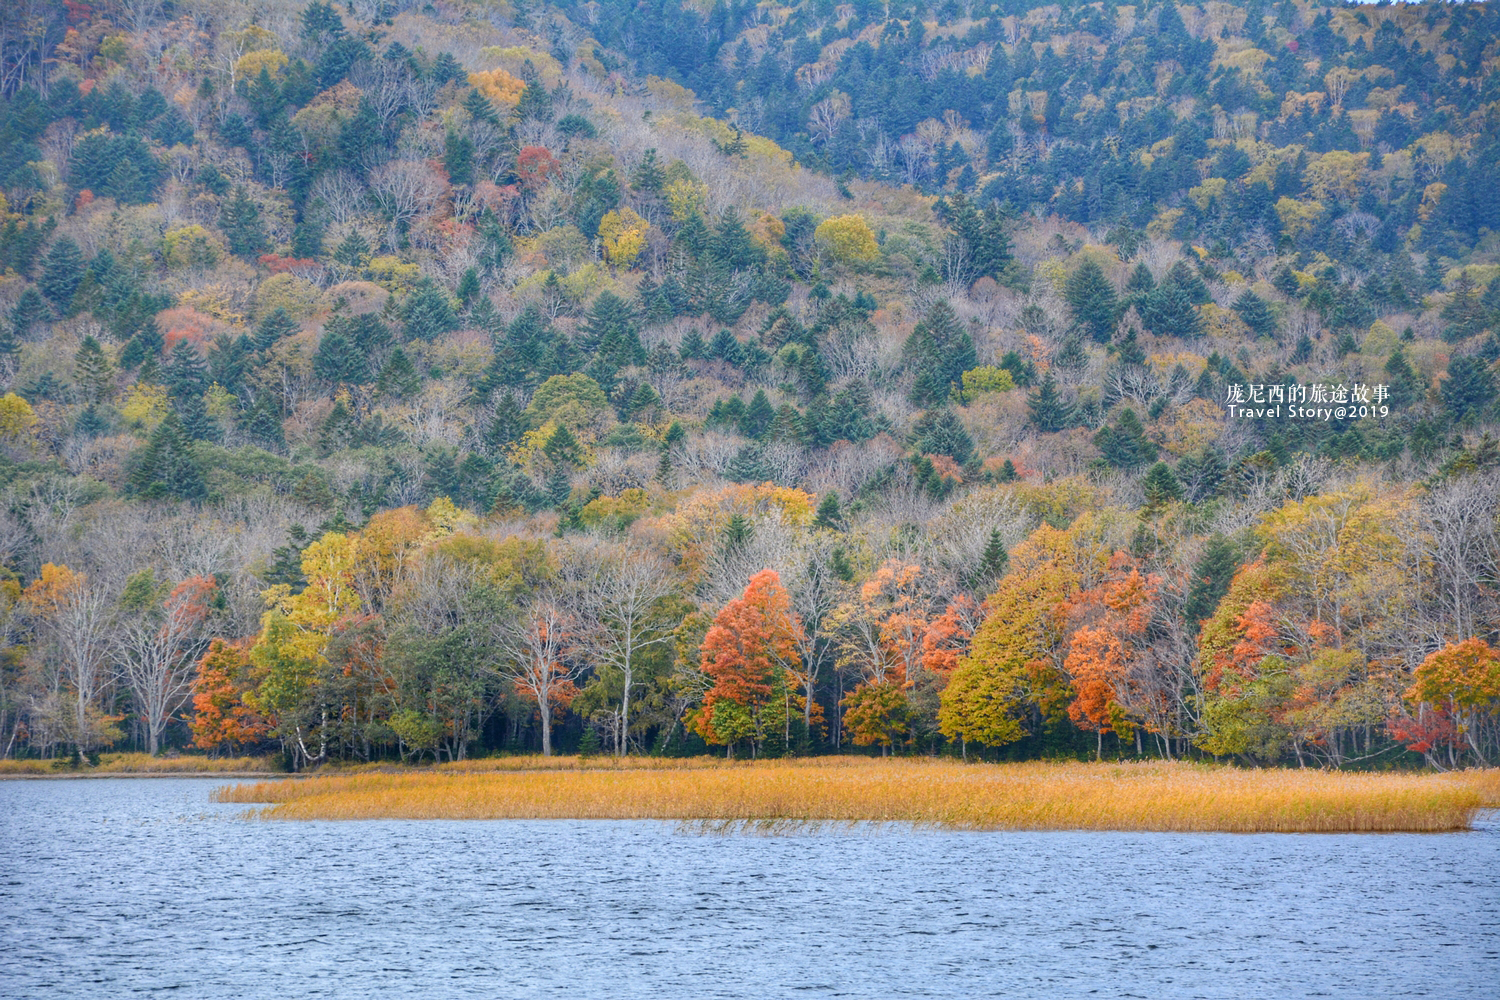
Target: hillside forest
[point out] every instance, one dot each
(390, 380)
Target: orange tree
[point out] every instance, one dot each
(747, 653)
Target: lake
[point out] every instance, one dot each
(109, 887)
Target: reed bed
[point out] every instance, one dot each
(137, 763)
(784, 795)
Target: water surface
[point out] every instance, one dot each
(113, 887)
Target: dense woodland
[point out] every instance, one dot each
(419, 381)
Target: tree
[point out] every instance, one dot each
(62, 270)
(1092, 301)
(878, 715)
(339, 361)
(1049, 412)
(751, 643)
(1469, 388)
(938, 352)
(1113, 686)
(848, 240)
(167, 466)
(158, 646)
(626, 615)
(240, 220)
(75, 616)
(427, 312)
(1462, 680)
(1256, 313)
(537, 642)
(1125, 445)
(222, 723)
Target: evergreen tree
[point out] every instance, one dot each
(167, 467)
(1141, 282)
(758, 417)
(29, 312)
(480, 109)
(1404, 386)
(90, 423)
(339, 361)
(239, 219)
(92, 372)
(307, 240)
(144, 347)
(748, 466)
(263, 424)
(441, 473)
(196, 423)
(62, 270)
(458, 158)
(1202, 473)
(1125, 445)
(1092, 301)
(427, 312)
(992, 564)
(1468, 390)
(1255, 313)
(1049, 412)
(353, 250)
(1129, 349)
(186, 373)
(275, 325)
(1211, 578)
(1161, 487)
(611, 335)
(829, 514)
(938, 352)
(228, 361)
(940, 432)
(398, 378)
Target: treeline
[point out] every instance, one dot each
(430, 330)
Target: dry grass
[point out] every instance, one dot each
(138, 763)
(791, 794)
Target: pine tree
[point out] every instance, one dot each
(29, 312)
(144, 348)
(427, 312)
(1211, 578)
(458, 158)
(992, 564)
(239, 218)
(264, 424)
(829, 514)
(398, 378)
(480, 109)
(275, 325)
(1255, 313)
(1161, 487)
(940, 432)
(1404, 386)
(307, 240)
(1092, 301)
(62, 270)
(759, 415)
(1469, 388)
(93, 372)
(196, 423)
(353, 250)
(167, 467)
(186, 374)
(441, 473)
(938, 352)
(339, 361)
(1125, 445)
(611, 334)
(1130, 351)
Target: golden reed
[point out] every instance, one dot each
(792, 794)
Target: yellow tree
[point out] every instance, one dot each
(1013, 670)
(622, 233)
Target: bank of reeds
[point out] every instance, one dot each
(136, 763)
(796, 794)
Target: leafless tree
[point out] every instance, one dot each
(622, 616)
(536, 645)
(157, 648)
(403, 190)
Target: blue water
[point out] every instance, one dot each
(117, 887)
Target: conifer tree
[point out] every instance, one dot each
(62, 270)
(398, 377)
(167, 467)
(339, 361)
(240, 220)
(1049, 412)
(1092, 301)
(275, 325)
(758, 417)
(92, 371)
(427, 312)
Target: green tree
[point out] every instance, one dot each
(92, 371)
(1256, 313)
(339, 361)
(1049, 412)
(1092, 301)
(167, 467)
(938, 352)
(427, 312)
(240, 220)
(62, 270)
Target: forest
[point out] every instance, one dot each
(404, 381)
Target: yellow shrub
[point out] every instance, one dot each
(848, 239)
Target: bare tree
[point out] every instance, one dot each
(403, 190)
(623, 616)
(536, 645)
(158, 647)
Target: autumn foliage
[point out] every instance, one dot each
(751, 642)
